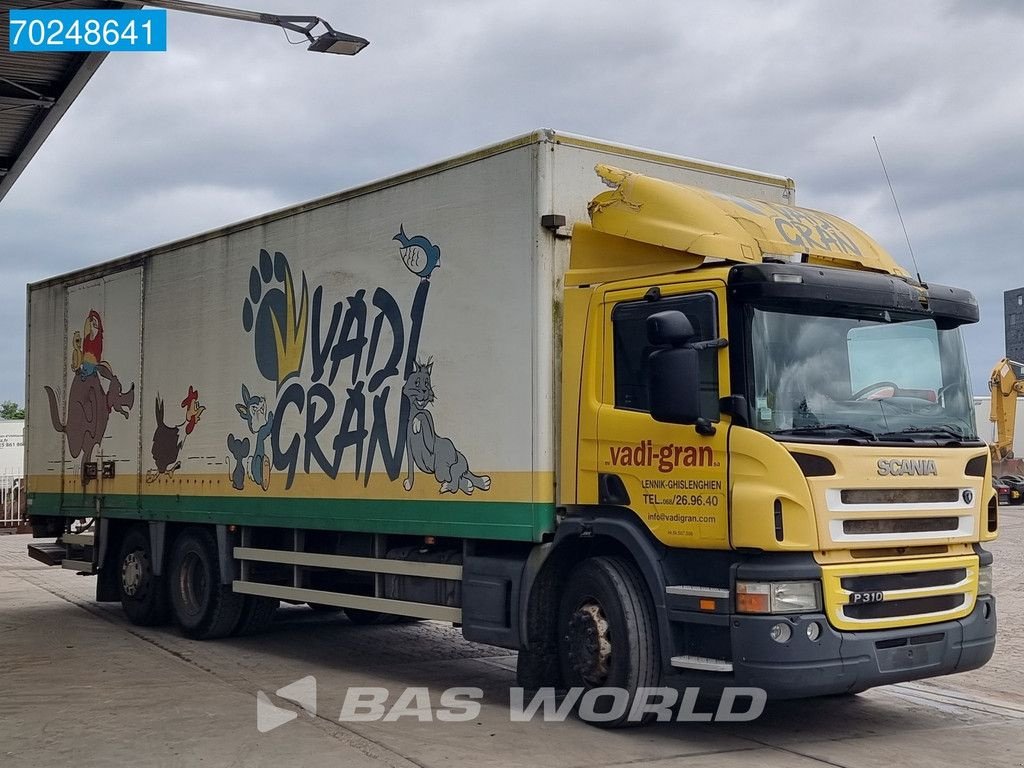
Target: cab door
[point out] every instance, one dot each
(674, 477)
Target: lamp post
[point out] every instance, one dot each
(327, 41)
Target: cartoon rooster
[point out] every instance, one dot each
(168, 441)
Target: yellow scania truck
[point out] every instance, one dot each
(636, 415)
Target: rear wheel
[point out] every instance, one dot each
(143, 595)
(608, 637)
(257, 615)
(202, 606)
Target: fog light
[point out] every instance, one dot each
(813, 631)
(781, 633)
(985, 580)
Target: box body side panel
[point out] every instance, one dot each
(365, 365)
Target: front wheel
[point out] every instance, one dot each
(608, 637)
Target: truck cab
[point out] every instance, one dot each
(785, 416)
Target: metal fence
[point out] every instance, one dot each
(12, 500)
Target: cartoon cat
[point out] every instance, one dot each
(260, 421)
(427, 450)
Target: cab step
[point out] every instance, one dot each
(702, 663)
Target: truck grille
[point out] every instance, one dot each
(901, 581)
(901, 525)
(877, 595)
(918, 606)
(900, 495)
(877, 515)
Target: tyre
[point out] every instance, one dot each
(257, 615)
(143, 595)
(203, 608)
(608, 637)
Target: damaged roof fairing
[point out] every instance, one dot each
(709, 225)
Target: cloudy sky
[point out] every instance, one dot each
(232, 121)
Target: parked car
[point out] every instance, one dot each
(1003, 491)
(1016, 485)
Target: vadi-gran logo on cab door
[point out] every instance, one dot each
(664, 458)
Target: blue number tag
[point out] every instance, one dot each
(88, 30)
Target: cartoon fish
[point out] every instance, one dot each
(420, 256)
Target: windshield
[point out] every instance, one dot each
(870, 376)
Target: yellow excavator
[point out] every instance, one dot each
(1005, 385)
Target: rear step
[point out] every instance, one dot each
(47, 554)
(73, 551)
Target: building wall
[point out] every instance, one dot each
(1013, 313)
(12, 449)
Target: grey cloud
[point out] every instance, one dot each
(232, 121)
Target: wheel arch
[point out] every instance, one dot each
(587, 532)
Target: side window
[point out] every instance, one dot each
(629, 326)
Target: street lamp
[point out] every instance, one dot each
(328, 41)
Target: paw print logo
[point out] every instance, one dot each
(275, 319)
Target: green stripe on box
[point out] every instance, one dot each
(503, 520)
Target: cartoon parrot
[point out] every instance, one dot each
(92, 344)
(420, 256)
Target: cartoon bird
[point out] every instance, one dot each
(420, 256)
(168, 441)
(89, 350)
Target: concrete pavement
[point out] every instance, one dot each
(81, 686)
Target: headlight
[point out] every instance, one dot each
(985, 580)
(778, 597)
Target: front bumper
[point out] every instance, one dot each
(846, 662)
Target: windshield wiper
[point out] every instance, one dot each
(819, 428)
(938, 429)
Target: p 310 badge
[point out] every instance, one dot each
(860, 598)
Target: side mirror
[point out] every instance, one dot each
(673, 382)
(669, 329)
(673, 386)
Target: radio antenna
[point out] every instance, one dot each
(910, 248)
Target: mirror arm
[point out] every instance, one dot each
(710, 344)
(705, 427)
(736, 407)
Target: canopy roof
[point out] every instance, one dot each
(36, 90)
